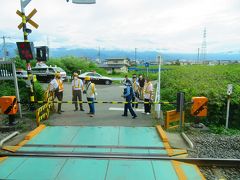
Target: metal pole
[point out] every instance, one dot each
(25, 35)
(198, 56)
(135, 54)
(16, 88)
(159, 85)
(4, 49)
(228, 108)
(181, 109)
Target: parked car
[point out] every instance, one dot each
(96, 78)
(21, 74)
(46, 74)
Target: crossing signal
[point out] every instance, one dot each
(42, 53)
(26, 50)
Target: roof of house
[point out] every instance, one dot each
(111, 65)
(117, 59)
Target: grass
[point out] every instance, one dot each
(223, 131)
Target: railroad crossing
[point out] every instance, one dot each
(96, 152)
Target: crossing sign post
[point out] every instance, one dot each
(25, 48)
(28, 19)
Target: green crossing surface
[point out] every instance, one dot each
(76, 168)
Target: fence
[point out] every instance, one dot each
(171, 117)
(44, 111)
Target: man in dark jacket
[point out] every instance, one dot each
(128, 94)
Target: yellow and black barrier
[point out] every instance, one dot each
(99, 102)
(43, 112)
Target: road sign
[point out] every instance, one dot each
(229, 89)
(26, 50)
(146, 64)
(28, 19)
(24, 3)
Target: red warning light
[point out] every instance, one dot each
(26, 50)
(22, 46)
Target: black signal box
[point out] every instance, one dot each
(26, 50)
(42, 53)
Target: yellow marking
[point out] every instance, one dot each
(35, 132)
(162, 133)
(180, 173)
(26, 139)
(3, 158)
(40, 102)
(194, 166)
(69, 102)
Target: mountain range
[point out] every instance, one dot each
(140, 55)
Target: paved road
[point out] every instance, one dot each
(106, 114)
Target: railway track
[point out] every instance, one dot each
(202, 162)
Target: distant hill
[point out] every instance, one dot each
(141, 55)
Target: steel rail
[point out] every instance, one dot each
(98, 146)
(209, 162)
(114, 154)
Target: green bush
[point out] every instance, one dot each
(8, 89)
(208, 81)
(72, 64)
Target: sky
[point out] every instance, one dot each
(159, 25)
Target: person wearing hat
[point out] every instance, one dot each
(77, 89)
(128, 94)
(136, 87)
(90, 92)
(56, 85)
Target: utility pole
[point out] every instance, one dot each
(4, 48)
(198, 56)
(99, 54)
(135, 55)
(204, 46)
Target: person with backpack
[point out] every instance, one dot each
(90, 92)
(128, 94)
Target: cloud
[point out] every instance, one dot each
(144, 24)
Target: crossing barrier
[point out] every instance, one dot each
(44, 111)
(97, 102)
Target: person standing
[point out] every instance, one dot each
(135, 87)
(56, 85)
(148, 92)
(141, 82)
(127, 94)
(77, 89)
(90, 91)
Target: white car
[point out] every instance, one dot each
(46, 74)
(96, 78)
(21, 74)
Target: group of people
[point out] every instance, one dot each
(78, 89)
(139, 89)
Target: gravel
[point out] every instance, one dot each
(208, 145)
